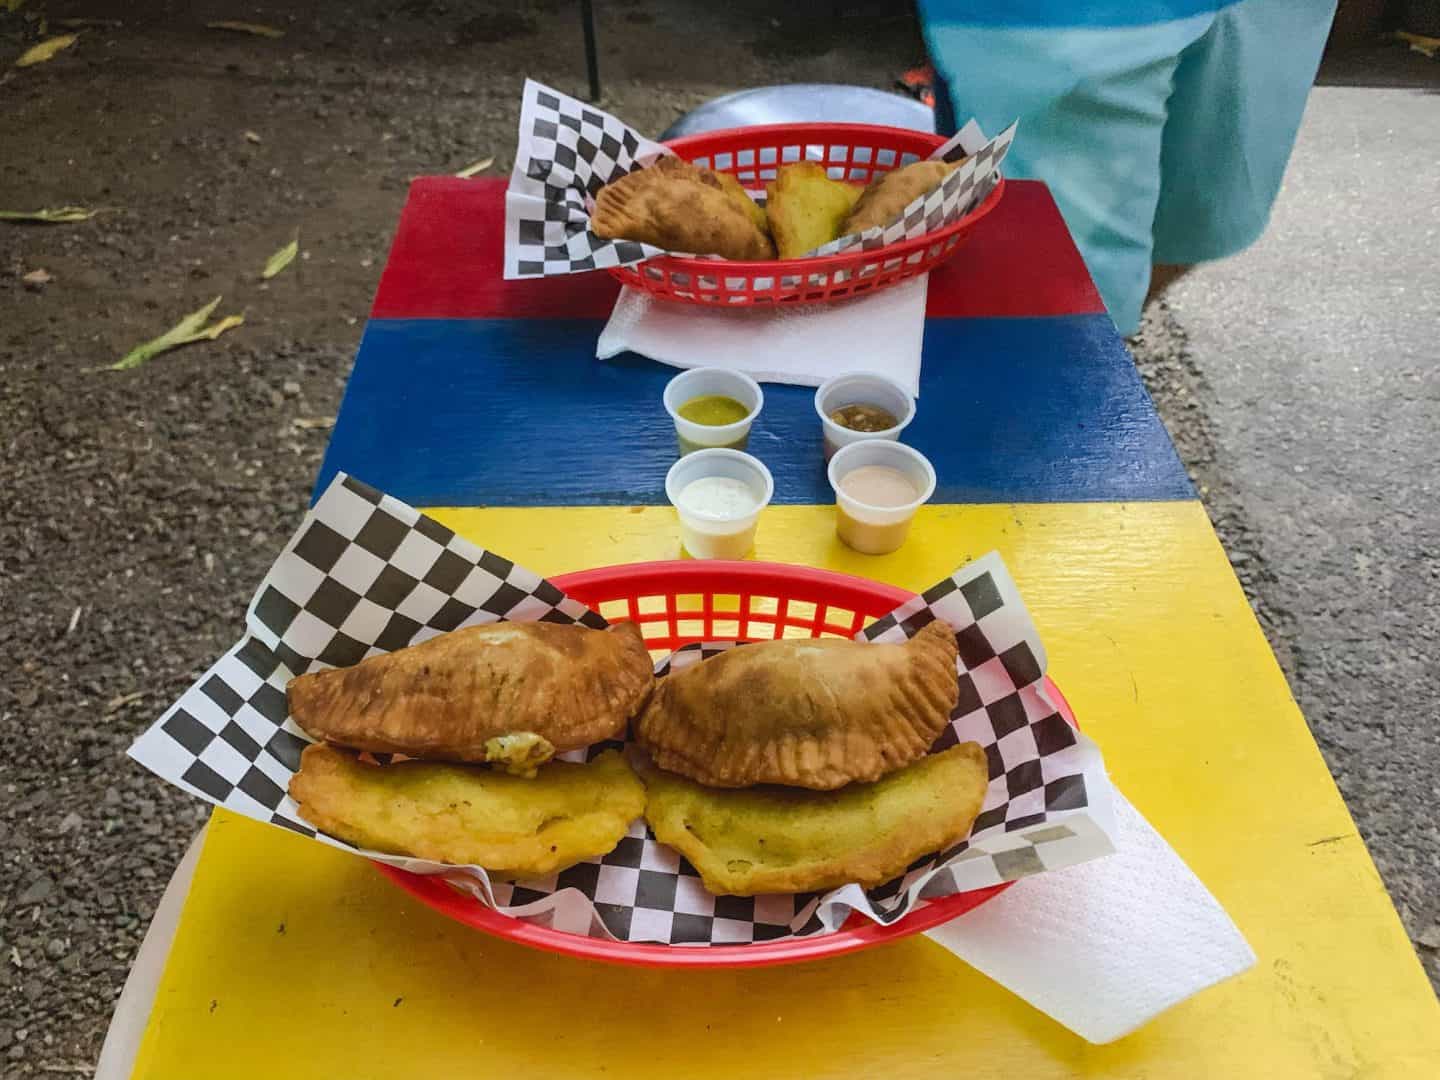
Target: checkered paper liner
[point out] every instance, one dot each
(366, 574)
(569, 150)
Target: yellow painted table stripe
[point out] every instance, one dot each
(292, 960)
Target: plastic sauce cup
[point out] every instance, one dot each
(701, 382)
(710, 536)
(861, 388)
(878, 530)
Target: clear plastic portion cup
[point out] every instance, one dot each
(702, 382)
(710, 535)
(878, 530)
(861, 388)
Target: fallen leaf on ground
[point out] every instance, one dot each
(38, 277)
(11, 5)
(1417, 39)
(124, 699)
(252, 136)
(281, 259)
(314, 423)
(58, 215)
(258, 29)
(479, 166)
(38, 54)
(191, 328)
(1420, 43)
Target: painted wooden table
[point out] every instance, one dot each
(480, 399)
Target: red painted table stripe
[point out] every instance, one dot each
(446, 263)
(1018, 262)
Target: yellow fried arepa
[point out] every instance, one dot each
(468, 695)
(679, 207)
(470, 815)
(806, 208)
(779, 840)
(889, 193)
(815, 713)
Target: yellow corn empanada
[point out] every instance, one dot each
(889, 193)
(810, 713)
(780, 840)
(468, 695)
(467, 815)
(679, 207)
(806, 208)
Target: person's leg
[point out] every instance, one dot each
(1239, 94)
(1091, 103)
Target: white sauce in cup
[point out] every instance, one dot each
(717, 497)
(719, 494)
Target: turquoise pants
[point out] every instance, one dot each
(1162, 143)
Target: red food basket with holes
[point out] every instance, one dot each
(676, 603)
(752, 154)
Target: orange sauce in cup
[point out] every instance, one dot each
(882, 487)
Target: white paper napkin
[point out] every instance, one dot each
(801, 345)
(1107, 945)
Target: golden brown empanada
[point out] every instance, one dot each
(811, 713)
(889, 193)
(458, 696)
(806, 208)
(671, 205)
(777, 840)
(736, 190)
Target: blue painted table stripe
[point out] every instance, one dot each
(518, 412)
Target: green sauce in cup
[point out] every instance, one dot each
(712, 407)
(713, 410)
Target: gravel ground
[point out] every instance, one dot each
(138, 510)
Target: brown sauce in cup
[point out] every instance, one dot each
(862, 417)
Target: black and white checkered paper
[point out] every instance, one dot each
(367, 574)
(569, 150)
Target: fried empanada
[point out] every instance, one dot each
(468, 815)
(889, 193)
(775, 839)
(671, 205)
(806, 208)
(733, 188)
(810, 713)
(458, 696)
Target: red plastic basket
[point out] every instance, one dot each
(676, 603)
(854, 152)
